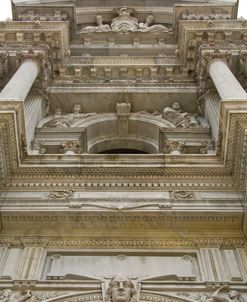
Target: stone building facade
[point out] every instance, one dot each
(123, 141)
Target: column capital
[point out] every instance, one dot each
(70, 147)
(209, 54)
(174, 147)
(40, 57)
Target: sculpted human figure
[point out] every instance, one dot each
(58, 120)
(121, 289)
(8, 296)
(146, 27)
(180, 119)
(99, 28)
(5, 295)
(233, 296)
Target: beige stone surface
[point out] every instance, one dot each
(123, 152)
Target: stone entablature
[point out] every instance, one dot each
(160, 169)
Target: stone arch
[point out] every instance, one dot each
(143, 133)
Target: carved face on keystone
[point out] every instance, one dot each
(121, 289)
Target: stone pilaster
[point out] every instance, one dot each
(213, 265)
(242, 256)
(29, 263)
(9, 260)
(232, 265)
(21, 82)
(226, 84)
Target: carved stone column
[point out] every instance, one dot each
(34, 109)
(226, 84)
(212, 113)
(21, 82)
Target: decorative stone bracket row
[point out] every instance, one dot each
(118, 72)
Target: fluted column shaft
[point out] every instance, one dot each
(226, 84)
(212, 113)
(34, 111)
(21, 82)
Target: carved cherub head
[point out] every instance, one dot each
(99, 19)
(149, 19)
(121, 289)
(58, 113)
(77, 108)
(176, 106)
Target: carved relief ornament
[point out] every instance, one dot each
(70, 146)
(41, 57)
(207, 56)
(174, 147)
(215, 14)
(30, 15)
(125, 23)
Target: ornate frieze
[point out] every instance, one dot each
(89, 243)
